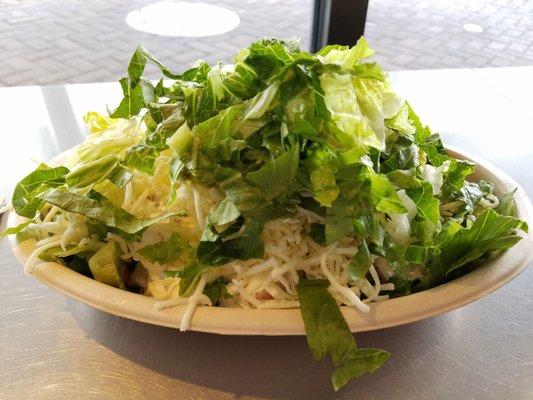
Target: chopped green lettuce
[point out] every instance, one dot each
(107, 267)
(360, 263)
(15, 230)
(101, 211)
(490, 232)
(26, 200)
(276, 176)
(328, 334)
(167, 251)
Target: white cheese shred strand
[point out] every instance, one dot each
(192, 303)
(198, 208)
(350, 296)
(31, 263)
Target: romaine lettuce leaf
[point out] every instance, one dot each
(321, 164)
(141, 157)
(111, 192)
(422, 132)
(218, 132)
(414, 254)
(454, 177)
(272, 58)
(327, 331)
(338, 221)
(427, 206)
(276, 176)
(369, 226)
(100, 211)
(328, 334)
(97, 122)
(15, 230)
(402, 124)
(181, 140)
(189, 276)
(490, 232)
(241, 80)
(360, 263)
(244, 243)
(215, 291)
(384, 195)
(132, 103)
(200, 103)
(138, 92)
(91, 172)
(344, 56)
(26, 200)
(318, 233)
(249, 200)
(401, 159)
(138, 63)
(356, 363)
(224, 214)
(166, 251)
(169, 119)
(56, 253)
(506, 206)
(325, 189)
(341, 99)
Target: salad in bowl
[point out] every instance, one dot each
(283, 180)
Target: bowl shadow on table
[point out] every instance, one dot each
(270, 367)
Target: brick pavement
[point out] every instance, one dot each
(426, 34)
(58, 41)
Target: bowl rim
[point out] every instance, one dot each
(277, 322)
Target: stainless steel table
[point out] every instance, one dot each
(52, 347)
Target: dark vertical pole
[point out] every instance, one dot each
(338, 22)
(320, 24)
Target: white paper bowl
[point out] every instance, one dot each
(237, 321)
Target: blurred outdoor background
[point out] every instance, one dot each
(56, 41)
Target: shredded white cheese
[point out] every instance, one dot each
(192, 302)
(269, 282)
(31, 262)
